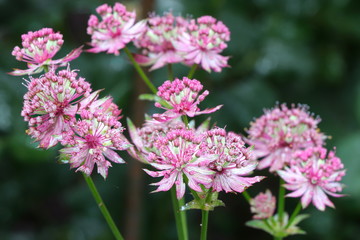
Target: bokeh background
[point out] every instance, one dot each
(293, 51)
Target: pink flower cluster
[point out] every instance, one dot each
(202, 44)
(181, 98)
(263, 205)
(161, 39)
(114, 30)
(312, 174)
(199, 157)
(60, 108)
(280, 132)
(157, 42)
(39, 48)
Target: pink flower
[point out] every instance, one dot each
(204, 42)
(232, 162)
(182, 98)
(144, 138)
(157, 41)
(280, 132)
(263, 205)
(96, 137)
(39, 48)
(178, 153)
(313, 174)
(115, 29)
(51, 103)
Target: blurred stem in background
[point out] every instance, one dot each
(136, 183)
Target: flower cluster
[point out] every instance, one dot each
(202, 44)
(181, 98)
(157, 41)
(312, 174)
(280, 132)
(51, 103)
(263, 205)
(114, 30)
(60, 107)
(39, 48)
(233, 161)
(161, 40)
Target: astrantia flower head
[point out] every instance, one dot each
(182, 98)
(38, 49)
(178, 154)
(51, 103)
(145, 137)
(280, 132)
(203, 43)
(95, 139)
(233, 161)
(157, 41)
(312, 174)
(263, 205)
(114, 30)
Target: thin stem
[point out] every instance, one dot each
(170, 72)
(192, 70)
(281, 200)
(294, 214)
(246, 196)
(204, 224)
(140, 71)
(180, 216)
(102, 207)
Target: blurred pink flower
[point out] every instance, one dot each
(51, 103)
(179, 153)
(232, 163)
(263, 205)
(39, 48)
(156, 42)
(203, 43)
(182, 98)
(313, 174)
(280, 132)
(115, 29)
(96, 137)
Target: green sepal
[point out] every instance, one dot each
(274, 227)
(207, 201)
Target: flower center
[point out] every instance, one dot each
(92, 141)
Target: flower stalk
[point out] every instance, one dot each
(103, 208)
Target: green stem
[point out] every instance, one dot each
(246, 196)
(204, 224)
(294, 214)
(180, 216)
(192, 70)
(102, 207)
(140, 71)
(281, 200)
(170, 72)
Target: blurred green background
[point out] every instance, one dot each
(294, 51)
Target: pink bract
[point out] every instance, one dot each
(51, 103)
(182, 98)
(178, 154)
(203, 43)
(232, 163)
(114, 30)
(280, 132)
(39, 48)
(312, 174)
(263, 205)
(157, 42)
